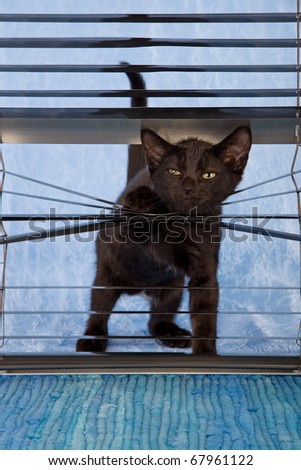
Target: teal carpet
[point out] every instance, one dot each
(150, 412)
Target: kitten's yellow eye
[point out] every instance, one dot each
(174, 172)
(209, 175)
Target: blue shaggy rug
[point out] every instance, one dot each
(150, 412)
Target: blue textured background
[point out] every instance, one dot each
(150, 412)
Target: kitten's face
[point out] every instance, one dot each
(195, 174)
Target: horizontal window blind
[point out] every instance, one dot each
(37, 113)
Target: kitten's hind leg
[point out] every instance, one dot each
(161, 325)
(102, 302)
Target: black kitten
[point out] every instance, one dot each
(191, 177)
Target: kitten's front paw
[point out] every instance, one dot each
(171, 335)
(91, 345)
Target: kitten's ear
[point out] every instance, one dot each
(155, 148)
(234, 149)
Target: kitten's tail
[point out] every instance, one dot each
(137, 83)
(136, 158)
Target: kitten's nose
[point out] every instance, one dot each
(188, 185)
(187, 191)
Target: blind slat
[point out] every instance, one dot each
(128, 42)
(17, 68)
(277, 112)
(230, 93)
(270, 125)
(152, 18)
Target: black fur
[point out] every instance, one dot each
(151, 253)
